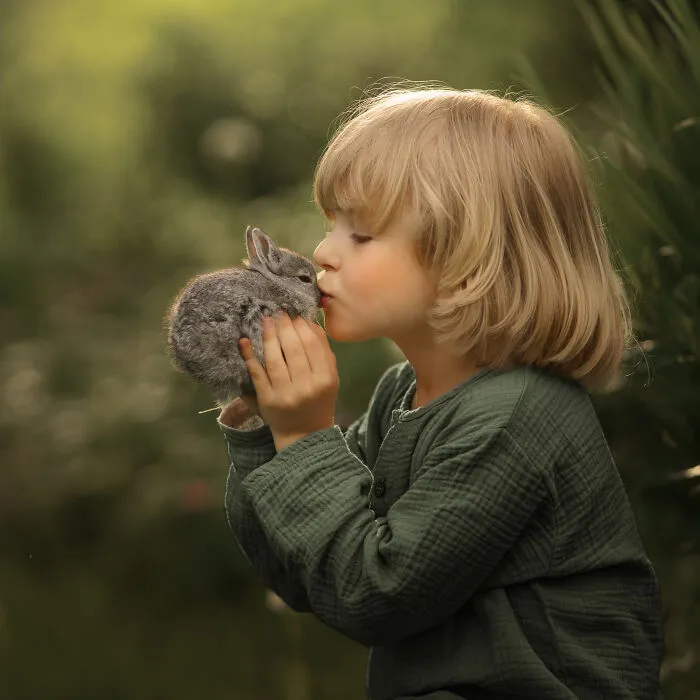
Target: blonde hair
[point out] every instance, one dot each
(507, 222)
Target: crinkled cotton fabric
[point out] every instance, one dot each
(483, 545)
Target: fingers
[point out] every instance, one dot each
(258, 375)
(297, 350)
(274, 343)
(319, 353)
(306, 349)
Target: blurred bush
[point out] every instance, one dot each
(136, 142)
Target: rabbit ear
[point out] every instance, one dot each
(262, 250)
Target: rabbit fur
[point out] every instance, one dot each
(214, 310)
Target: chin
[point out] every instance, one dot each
(343, 334)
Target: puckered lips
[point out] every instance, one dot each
(325, 298)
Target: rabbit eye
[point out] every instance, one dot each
(305, 278)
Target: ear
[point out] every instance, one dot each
(262, 250)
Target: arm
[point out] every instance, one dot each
(379, 581)
(250, 445)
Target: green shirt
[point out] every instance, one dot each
(482, 545)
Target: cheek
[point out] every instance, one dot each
(376, 273)
(369, 280)
(395, 282)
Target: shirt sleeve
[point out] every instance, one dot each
(380, 580)
(248, 450)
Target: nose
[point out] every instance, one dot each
(323, 256)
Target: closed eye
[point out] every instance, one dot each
(360, 239)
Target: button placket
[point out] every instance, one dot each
(379, 487)
(378, 490)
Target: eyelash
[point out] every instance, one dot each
(359, 239)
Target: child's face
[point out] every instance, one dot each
(378, 287)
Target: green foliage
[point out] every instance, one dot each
(644, 148)
(136, 142)
(650, 119)
(653, 174)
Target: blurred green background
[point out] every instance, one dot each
(137, 140)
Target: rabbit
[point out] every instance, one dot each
(215, 309)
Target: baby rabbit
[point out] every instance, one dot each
(214, 310)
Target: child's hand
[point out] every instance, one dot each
(297, 392)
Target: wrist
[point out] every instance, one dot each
(282, 441)
(237, 415)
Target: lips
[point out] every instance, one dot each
(325, 298)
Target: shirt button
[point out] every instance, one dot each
(380, 487)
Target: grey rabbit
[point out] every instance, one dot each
(215, 309)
